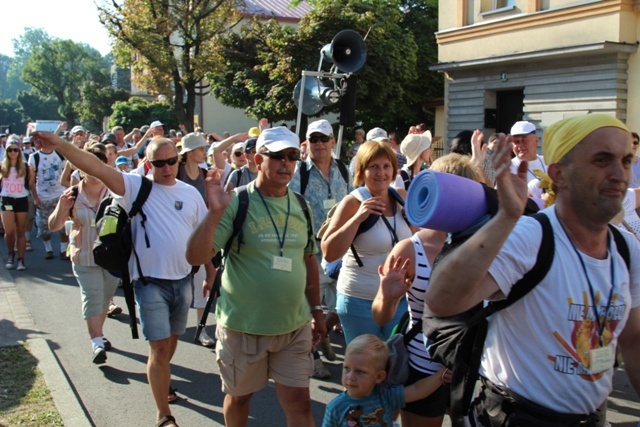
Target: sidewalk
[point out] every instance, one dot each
(16, 326)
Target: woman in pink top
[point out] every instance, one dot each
(14, 202)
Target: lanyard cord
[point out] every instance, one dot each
(286, 222)
(322, 176)
(599, 324)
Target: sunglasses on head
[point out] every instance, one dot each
(161, 163)
(280, 155)
(238, 153)
(314, 139)
(13, 150)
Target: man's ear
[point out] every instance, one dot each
(258, 159)
(382, 374)
(557, 173)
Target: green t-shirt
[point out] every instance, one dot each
(256, 298)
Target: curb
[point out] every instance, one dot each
(13, 310)
(72, 413)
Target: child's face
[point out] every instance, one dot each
(360, 375)
(124, 168)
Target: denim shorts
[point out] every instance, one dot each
(164, 306)
(356, 318)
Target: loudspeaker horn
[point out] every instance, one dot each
(315, 96)
(347, 51)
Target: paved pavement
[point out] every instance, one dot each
(41, 306)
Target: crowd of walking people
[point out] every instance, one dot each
(308, 245)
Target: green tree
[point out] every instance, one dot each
(59, 68)
(137, 112)
(34, 106)
(10, 117)
(168, 44)
(262, 64)
(97, 103)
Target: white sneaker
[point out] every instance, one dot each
(21, 265)
(206, 340)
(319, 370)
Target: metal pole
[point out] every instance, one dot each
(336, 150)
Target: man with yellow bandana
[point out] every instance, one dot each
(551, 354)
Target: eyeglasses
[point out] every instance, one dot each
(238, 153)
(323, 138)
(13, 150)
(161, 163)
(293, 156)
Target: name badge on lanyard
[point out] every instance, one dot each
(328, 203)
(601, 359)
(281, 263)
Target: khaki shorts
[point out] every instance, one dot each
(247, 361)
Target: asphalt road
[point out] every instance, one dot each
(117, 394)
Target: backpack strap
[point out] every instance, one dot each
(145, 189)
(405, 178)
(343, 170)
(238, 220)
(304, 176)
(36, 161)
(621, 244)
(239, 177)
(307, 215)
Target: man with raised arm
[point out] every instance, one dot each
(164, 293)
(268, 314)
(552, 352)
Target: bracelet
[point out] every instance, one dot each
(316, 308)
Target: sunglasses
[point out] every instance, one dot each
(161, 163)
(323, 138)
(238, 153)
(13, 150)
(293, 156)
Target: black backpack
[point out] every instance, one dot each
(114, 244)
(458, 341)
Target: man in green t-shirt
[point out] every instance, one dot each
(269, 286)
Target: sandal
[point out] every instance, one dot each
(172, 397)
(167, 421)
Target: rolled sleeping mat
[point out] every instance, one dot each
(445, 202)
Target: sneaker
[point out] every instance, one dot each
(107, 344)
(49, 255)
(99, 356)
(10, 261)
(28, 247)
(319, 370)
(114, 310)
(327, 350)
(21, 265)
(206, 340)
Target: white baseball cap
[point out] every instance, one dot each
(320, 126)
(522, 128)
(156, 123)
(376, 134)
(77, 129)
(277, 139)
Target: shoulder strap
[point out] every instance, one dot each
(343, 170)
(536, 274)
(304, 176)
(36, 160)
(621, 244)
(136, 207)
(62, 159)
(307, 215)
(238, 221)
(405, 178)
(238, 177)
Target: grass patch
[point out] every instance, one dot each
(25, 399)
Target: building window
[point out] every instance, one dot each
(499, 4)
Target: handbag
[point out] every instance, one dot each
(398, 362)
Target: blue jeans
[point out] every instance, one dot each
(164, 306)
(356, 318)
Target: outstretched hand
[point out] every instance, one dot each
(48, 140)
(217, 198)
(512, 189)
(394, 283)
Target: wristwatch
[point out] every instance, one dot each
(316, 308)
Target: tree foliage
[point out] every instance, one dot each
(97, 103)
(10, 117)
(168, 44)
(137, 112)
(261, 65)
(59, 68)
(34, 106)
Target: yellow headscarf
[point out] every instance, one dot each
(562, 136)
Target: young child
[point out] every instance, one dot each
(366, 401)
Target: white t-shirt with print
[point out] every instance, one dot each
(173, 212)
(533, 347)
(48, 173)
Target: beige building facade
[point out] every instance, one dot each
(537, 60)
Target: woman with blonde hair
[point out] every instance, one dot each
(376, 167)
(16, 182)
